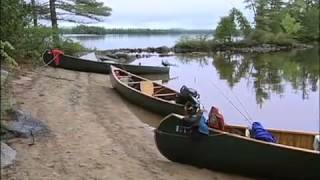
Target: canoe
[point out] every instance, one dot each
(78, 64)
(292, 157)
(144, 92)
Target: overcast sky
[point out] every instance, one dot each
(164, 14)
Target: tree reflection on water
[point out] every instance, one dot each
(271, 72)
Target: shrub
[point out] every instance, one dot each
(199, 43)
(5, 47)
(69, 46)
(37, 39)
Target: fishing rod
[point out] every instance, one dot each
(245, 109)
(246, 118)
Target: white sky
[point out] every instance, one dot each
(164, 14)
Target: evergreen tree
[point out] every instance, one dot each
(226, 29)
(245, 28)
(81, 11)
(13, 20)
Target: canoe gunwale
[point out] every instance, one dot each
(282, 131)
(113, 68)
(221, 133)
(85, 65)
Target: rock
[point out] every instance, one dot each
(4, 76)
(124, 56)
(8, 155)
(24, 125)
(162, 49)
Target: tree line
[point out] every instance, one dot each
(275, 21)
(286, 23)
(83, 29)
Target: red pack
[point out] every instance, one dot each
(216, 119)
(57, 55)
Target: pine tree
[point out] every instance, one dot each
(82, 11)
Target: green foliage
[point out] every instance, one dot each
(245, 28)
(297, 19)
(310, 25)
(13, 13)
(73, 10)
(69, 46)
(290, 25)
(264, 37)
(5, 46)
(35, 41)
(199, 43)
(226, 29)
(21, 43)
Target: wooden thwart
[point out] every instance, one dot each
(167, 94)
(146, 87)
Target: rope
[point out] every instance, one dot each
(45, 64)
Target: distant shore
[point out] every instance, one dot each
(94, 30)
(228, 48)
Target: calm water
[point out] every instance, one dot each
(116, 41)
(281, 90)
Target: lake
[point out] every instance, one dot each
(116, 41)
(280, 90)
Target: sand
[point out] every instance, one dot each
(96, 134)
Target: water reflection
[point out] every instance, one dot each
(270, 72)
(281, 90)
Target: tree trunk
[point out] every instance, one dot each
(34, 13)
(54, 22)
(53, 14)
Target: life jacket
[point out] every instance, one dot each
(57, 55)
(216, 119)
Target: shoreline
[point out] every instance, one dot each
(95, 134)
(257, 49)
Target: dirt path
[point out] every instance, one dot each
(95, 135)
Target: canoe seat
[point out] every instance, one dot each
(247, 133)
(316, 142)
(146, 87)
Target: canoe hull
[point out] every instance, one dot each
(77, 64)
(220, 151)
(147, 102)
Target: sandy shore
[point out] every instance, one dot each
(95, 133)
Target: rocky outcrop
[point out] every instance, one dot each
(160, 50)
(4, 76)
(8, 155)
(24, 125)
(243, 48)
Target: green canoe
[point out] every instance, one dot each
(234, 152)
(78, 64)
(146, 93)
